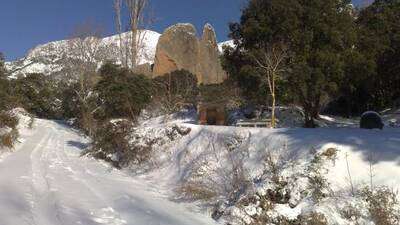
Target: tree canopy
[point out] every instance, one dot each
(122, 93)
(318, 35)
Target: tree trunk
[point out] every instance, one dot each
(134, 46)
(308, 116)
(309, 122)
(118, 21)
(273, 119)
(316, 108)
(315, 113)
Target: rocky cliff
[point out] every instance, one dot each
(180, 48)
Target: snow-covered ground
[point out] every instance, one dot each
(361, 147)
(46, 182)
(382, 148)
(201, 162)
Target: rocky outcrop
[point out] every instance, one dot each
(179, 48)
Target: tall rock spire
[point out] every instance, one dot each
(179, 48)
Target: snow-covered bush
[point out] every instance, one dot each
(122, 144)
(8, 129)
(288, 190)
(110, 142)
(218, 176)
(382, 204)
(8, 138)
(284, 185)
(8, 120)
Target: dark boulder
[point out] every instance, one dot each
(371, 120)
(249, 112)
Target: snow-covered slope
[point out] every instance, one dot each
(47, 182)
(52, 57)
(203, 165)
(358, 144)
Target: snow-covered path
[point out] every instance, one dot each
(46, 182)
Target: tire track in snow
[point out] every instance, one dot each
(44, 208)
(48, 183)
(98, 211)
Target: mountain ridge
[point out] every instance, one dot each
(50, 58)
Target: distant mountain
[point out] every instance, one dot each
(54, 58)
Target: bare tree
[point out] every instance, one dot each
(118, 24)
(84, 48)
(136, 18)
(84, 52)
(132, 47)
(272, 62)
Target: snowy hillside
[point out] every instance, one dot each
(227, 169)
(195, 173)
(52, 57)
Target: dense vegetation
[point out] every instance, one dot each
(5, 97)
(37, 94)
(324, 53)
(122, 93)
(175, 90)
(8, 122)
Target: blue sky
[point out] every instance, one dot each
(27, 23)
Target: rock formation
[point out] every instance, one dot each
(179, 48)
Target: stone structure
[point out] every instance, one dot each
(179, 48)
(211, 114)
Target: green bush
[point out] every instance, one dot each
(5, 87)
(122, 93)
(36, 93)
(111, 143)
(110, 140)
